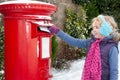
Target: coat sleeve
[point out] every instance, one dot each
(113, 60)
(81, 43)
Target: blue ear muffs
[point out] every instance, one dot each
(105, 28)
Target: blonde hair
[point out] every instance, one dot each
(111, 21)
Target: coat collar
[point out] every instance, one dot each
(107, 38)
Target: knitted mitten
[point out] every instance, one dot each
(53, 29)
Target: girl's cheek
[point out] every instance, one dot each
(95, 32)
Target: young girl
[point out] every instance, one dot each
(101, 62)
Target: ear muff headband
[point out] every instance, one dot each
(105, 28)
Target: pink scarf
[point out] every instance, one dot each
(92, 68)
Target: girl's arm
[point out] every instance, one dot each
(113, 60)
(81, 43)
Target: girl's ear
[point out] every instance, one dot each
(105, 27)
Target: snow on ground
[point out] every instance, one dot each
(75, 71)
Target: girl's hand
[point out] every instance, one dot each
(53, 29)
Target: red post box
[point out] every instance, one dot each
(27, 49)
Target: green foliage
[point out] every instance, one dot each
(91, 10)
(109, 7)
(76, 27)
(80, 2)
(1, 47)
(75, 24)
(1, 52)
(54, 49)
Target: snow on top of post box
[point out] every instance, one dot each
(24, 2)
(27, 7)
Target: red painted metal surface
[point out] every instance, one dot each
(23, 40)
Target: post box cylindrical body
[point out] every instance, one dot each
(27, 49)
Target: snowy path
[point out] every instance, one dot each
(74, 72)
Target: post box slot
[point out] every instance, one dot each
(42, 28)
